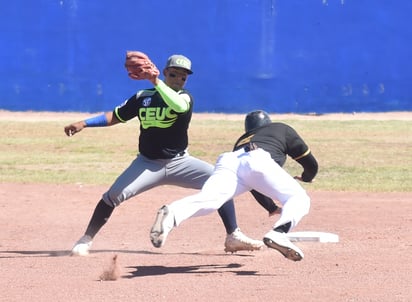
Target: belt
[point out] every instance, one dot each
(250, 147)
(246, 148)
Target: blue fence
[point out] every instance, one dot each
(282, 56)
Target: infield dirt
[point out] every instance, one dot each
(40, 223)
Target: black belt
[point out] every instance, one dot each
(250, 147)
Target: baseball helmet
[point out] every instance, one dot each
(255, 119)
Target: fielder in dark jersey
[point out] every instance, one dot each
(163, 132)
(164, 113)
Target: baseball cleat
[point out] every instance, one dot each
(164, 223)
(237, 241)
(82, 246)
(281, 243)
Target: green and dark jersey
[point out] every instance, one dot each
(281, 140)
(163, 131)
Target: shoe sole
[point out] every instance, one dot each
(227, 250)
(289, 253)
(157, 230)
(251, 249)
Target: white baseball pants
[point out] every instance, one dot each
(239, 172)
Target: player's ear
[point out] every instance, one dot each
(164, 71)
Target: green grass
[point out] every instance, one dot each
(355, 155)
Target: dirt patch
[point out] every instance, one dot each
(40, 223)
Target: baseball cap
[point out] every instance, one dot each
(179, 61)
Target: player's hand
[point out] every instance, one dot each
(140, 67)
(72, 129)
(300, 179)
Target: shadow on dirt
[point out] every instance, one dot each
(21, 254)
(157, 270)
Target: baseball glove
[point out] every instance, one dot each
(140, 67)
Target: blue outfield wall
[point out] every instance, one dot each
(302, 56)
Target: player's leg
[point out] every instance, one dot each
(101, 214)
(260, 172)
(220, 187)
(141, 175)
(188, 171)
(263, 174)
(235, 241)
(199, 204)
(191, 172)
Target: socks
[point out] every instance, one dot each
(101, 214)
(284, 228)
(228, 215)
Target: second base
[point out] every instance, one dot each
(311, 236)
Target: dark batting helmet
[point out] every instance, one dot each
(255, 119)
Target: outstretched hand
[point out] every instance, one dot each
(72, 129)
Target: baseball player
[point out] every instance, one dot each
(164, 113)
(255, 163)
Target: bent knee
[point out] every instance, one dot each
(114, 198)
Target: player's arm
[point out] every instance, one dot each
(139, 67)
(102, 120)
(178, 102)
(267, 203)
(310, 166)
(301, 153)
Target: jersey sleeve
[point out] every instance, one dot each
(127, 110)
(296, 147)
(301, 153)
(310, 167)
(178, 102)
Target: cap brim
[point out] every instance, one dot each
(180, 67)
